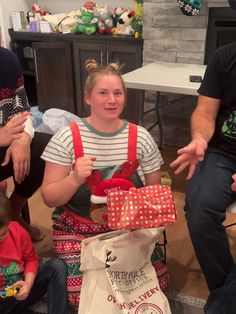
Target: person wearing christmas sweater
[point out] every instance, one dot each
(20, 146)
(19, 269)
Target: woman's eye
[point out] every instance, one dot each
(118, 93)
(102, 93)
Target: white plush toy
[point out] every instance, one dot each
(124, 24)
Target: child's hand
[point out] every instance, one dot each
(24, 290)
(83, 168)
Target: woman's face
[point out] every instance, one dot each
(107, 98)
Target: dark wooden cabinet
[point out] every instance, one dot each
(53, 74)
(54, 67)
(83, 52)
(128, 55)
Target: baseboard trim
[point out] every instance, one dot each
(187, 299)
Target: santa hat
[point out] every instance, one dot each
(88, 6)
(100, 192)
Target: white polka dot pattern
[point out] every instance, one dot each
(147, 207)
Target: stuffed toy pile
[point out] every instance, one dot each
(94, 18)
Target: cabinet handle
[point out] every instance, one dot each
(36, 66)
(101, 56)
(107, 58)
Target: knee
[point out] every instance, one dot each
(203, 214)
(58, 266)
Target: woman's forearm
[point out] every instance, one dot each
(60, 192)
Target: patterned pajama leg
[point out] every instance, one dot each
(68, 234)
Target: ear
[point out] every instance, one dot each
(87, 98)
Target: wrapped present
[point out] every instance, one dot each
(165, 178)
(146, 207)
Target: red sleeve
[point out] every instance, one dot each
(29, 256)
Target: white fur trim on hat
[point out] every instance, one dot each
(98, 199)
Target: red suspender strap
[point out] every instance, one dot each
(132, 142)
(77, 142)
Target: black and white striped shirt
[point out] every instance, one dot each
(110, 149)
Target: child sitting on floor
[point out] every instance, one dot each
(19, 268)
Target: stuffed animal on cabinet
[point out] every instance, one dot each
(38, 12)
(124, 24)
(138, 19)
(87, 23)
(116, 15)
(105, 23)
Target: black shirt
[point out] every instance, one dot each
(13, 98)
(220, 82)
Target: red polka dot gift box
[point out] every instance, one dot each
(146, 207)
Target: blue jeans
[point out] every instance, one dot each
(207, 197)
(222, 300)
(50, 280)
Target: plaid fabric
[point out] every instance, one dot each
(68, 233)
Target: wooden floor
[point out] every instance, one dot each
(186, 276)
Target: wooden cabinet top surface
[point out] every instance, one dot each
(30, 36)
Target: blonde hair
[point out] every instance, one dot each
(94, 70)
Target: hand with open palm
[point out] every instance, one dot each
(189, 156)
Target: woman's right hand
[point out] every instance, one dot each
(13, 129)
(83, 168)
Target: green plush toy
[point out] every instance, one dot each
(137, 23)
(87, 23)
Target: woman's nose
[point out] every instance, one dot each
(111, 97)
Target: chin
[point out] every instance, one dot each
(112, 117)
(114, 114)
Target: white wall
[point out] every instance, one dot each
(55, 6)
(6, 6)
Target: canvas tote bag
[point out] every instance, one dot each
(118, 277)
